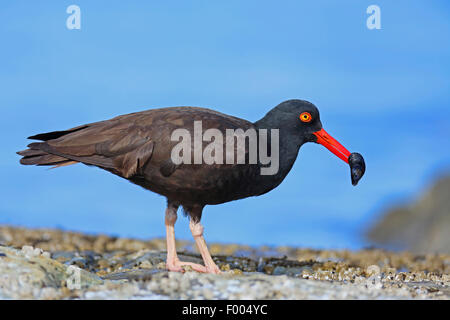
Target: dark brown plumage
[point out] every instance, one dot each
(138, 147)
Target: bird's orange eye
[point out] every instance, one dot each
(305, 117)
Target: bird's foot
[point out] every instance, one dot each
(213, 268)
(177, 266)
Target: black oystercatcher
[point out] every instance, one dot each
(139, 147)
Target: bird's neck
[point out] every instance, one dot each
(289, 144)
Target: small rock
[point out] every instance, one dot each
(279, 271)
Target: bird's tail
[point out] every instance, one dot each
(35, 156)
(42, 158)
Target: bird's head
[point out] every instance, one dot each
(302, 119)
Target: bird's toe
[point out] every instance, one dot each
(194, 266)
(213, 269)
(174, 267)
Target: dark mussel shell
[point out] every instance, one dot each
(357, 167)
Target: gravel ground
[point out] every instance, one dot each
(54, 264)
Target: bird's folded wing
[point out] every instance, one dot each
(122, 147)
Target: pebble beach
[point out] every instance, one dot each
(55, 264)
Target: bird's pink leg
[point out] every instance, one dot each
(172, 261)
(197, 233)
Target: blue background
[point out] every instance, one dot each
(383, 93)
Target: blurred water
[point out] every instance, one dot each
(382, 93)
